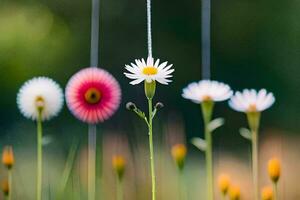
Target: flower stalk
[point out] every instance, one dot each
(119, 188)
(253, 121)
(92, 162)
(274, 170)
(153, 178)
(150, 88)
(118, 163)
(9, 184)
(207, 109)
(39, 155)
(8, 161)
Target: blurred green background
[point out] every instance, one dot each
(255, 44)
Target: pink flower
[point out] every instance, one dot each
(93, 95)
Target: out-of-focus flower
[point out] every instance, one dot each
(93, 95)
(40, 96)
(224, 183)
(179, 153)
(274, 169)
(207, 90)
(119, 164)
(8, 159)
(267, 193)
(5, 187)
(250, 101)
(234, 193)
(149, 71)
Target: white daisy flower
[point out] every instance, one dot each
(37, 94)
(207, 90)
(149, 71)
(252, 101)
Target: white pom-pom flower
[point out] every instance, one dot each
(207, 90)
(251, 100)
(40, 95)
(149, 71)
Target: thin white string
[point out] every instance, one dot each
(149, 28)
(206, 47)
(94, 33)
(92, 130)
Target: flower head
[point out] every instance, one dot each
(118, 163)
(251, 101)
(207, 90)
(234, 193)
(224, 183)
(40, 95)
(93, 95)
(274, 169)
(179, 153)
(149, 71)
(8, 159)
(267, 193)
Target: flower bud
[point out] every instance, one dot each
(118, 163)
(8, 159)
(150, 89)
(5, 187)
(234, 193)
(224, 183)
(274, 169)
(179, 153)
(130, 106)
(267, 193)
(159, 105)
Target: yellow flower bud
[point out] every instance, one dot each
(234, 193)
(224, 183)
(179, 153)
(8, 159)
(267, 193)
(118, 163)
(5, 187)
(274, 169)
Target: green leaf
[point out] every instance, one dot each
(246, 133)
(199, 143)
(216, 123)
(68, 168)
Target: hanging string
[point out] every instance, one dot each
(206, 46)
(149, 28)
(95, 33)
(92, 132)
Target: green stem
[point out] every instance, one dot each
(151, 150)
(92, 162)
(9, 184)
(207, 108)
(182, 185)
(209, 165)
(275, 189)
(39, 157)
(255, 163)
(223, 196)
(119, 189)
(253, 121)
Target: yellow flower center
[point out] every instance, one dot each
(206, 98)
(92, 96)
(40, 102)
(252, 108)
(150, 70)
